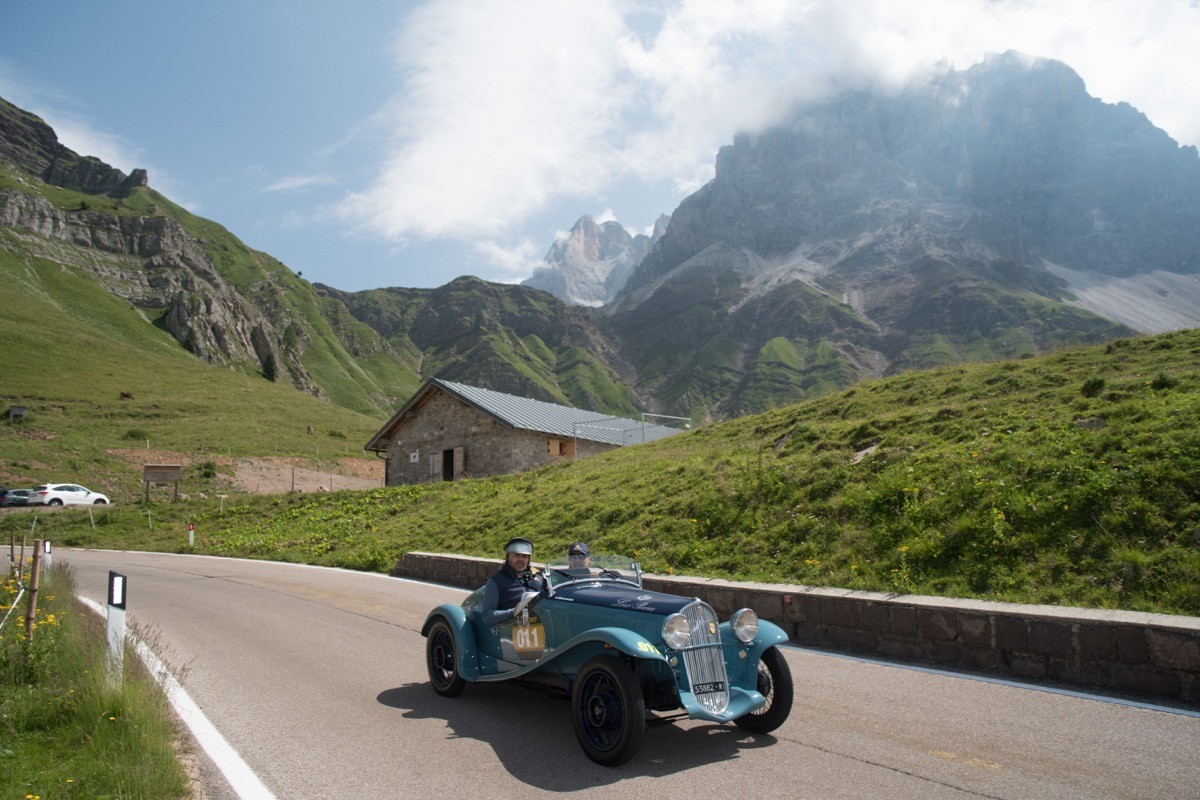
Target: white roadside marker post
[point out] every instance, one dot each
(115, 628)
(46, 554)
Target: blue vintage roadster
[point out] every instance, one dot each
(621, 653)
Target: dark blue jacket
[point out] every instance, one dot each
(502, 592)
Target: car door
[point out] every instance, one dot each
(517, 643)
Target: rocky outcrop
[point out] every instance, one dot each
(33, 146)
(154, 264)
(1009, 161)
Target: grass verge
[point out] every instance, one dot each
(64, 732)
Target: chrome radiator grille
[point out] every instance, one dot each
(704, 659)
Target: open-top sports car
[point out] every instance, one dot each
(621, 653)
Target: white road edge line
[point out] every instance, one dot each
(241, 778)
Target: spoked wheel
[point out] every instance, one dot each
(775, 684)
(441, 658)
(609, 710)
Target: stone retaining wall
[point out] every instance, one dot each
(1155, 655)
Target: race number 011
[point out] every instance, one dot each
(527, 638)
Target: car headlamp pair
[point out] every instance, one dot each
(677, 631)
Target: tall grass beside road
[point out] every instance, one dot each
(64, 732)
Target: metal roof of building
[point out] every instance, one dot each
(531, 415)
(537, 415)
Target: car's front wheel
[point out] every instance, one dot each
(441, 658)
(609, 710)
(775, 684)
(100, 503)
(54, 501)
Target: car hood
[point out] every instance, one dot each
(606, 594)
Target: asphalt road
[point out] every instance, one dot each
(316, 678)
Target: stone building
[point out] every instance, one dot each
(448, 431)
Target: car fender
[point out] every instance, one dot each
(464, 638)
(741, 659)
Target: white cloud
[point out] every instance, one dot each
(507, 108)
(504, 106)
(294, 183)
(513, 262)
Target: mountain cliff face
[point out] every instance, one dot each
(590, 265)
(924, 227)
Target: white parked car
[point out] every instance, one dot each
(65, 494)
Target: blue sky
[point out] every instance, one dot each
(369, 144)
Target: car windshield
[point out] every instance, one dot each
(561, 571)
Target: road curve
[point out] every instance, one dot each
(316, 677)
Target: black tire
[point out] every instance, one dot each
(441, 658)
(775, 684)
(100, 503)
(609, 711)
(54, 501)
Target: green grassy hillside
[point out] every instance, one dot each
(1068, 479)
(70, 349)
(366, 380)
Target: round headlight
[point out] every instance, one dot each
(745, 625)
(676, 631)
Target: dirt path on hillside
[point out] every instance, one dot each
(271, 475)
(279, 475)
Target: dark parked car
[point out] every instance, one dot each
(623, 654)
(14, 497)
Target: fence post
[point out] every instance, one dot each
(34, 572)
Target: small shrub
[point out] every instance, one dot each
(1163, 381)
(1092, 387)
(136, 434)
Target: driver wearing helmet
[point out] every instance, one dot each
(504, 595)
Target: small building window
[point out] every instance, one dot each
(560, 448)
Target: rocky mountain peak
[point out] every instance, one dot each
(31, 144)
(591, 263)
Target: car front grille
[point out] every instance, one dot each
(704, 659)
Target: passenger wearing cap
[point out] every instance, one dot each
(504, 593)
(579, 559)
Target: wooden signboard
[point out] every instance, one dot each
(162, 473)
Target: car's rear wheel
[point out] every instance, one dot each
(54, 501)
(441, 658)
(609, 710)
(775, 684)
